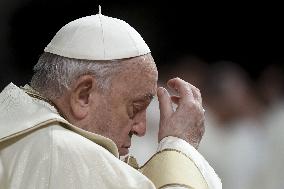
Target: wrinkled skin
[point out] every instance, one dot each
(120, 112)
(187, 122)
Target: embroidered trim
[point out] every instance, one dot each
(176, 184)
(35, 94)
(183, 154)
(165, 150)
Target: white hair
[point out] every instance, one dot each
(54, 74)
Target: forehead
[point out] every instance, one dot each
(137, 78)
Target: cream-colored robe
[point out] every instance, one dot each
(40, 149)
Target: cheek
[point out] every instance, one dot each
(118, 120)
(119, 130)
(112, 120)
(119, 114)
(123, 122)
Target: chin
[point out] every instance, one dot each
(123, 151)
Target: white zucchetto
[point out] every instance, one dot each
(97, 37)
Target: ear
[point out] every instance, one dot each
(80, 99)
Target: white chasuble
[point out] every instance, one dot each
(40, 149)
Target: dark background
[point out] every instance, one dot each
(249, 35)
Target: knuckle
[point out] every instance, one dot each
(191, 105)
(188, 90)
(192, 86)
(198, 92)
(194, 108)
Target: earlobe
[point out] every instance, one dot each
(80, 96)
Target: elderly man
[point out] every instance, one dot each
(88, 96)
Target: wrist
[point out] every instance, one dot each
(194, 142)
(173, 142)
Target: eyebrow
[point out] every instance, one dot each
(149, 96)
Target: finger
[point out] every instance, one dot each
(182, 88)
(197, 97)
(196, 94)
(165, 104)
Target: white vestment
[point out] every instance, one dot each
(39, 149)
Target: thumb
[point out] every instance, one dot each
(165, 104)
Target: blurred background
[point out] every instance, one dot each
(232, 52)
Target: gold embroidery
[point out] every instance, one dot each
(130, 160)
(165, 150)
(172, 167)
(37, 95)
(176, 184)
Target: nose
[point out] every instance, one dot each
(139, 126)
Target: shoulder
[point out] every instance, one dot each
(65, 159)
(75, 156)
(71, 145)
(66, 142)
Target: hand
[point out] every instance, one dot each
(187, 122)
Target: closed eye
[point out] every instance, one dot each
(138, 107)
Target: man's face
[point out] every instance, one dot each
(120, 112)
